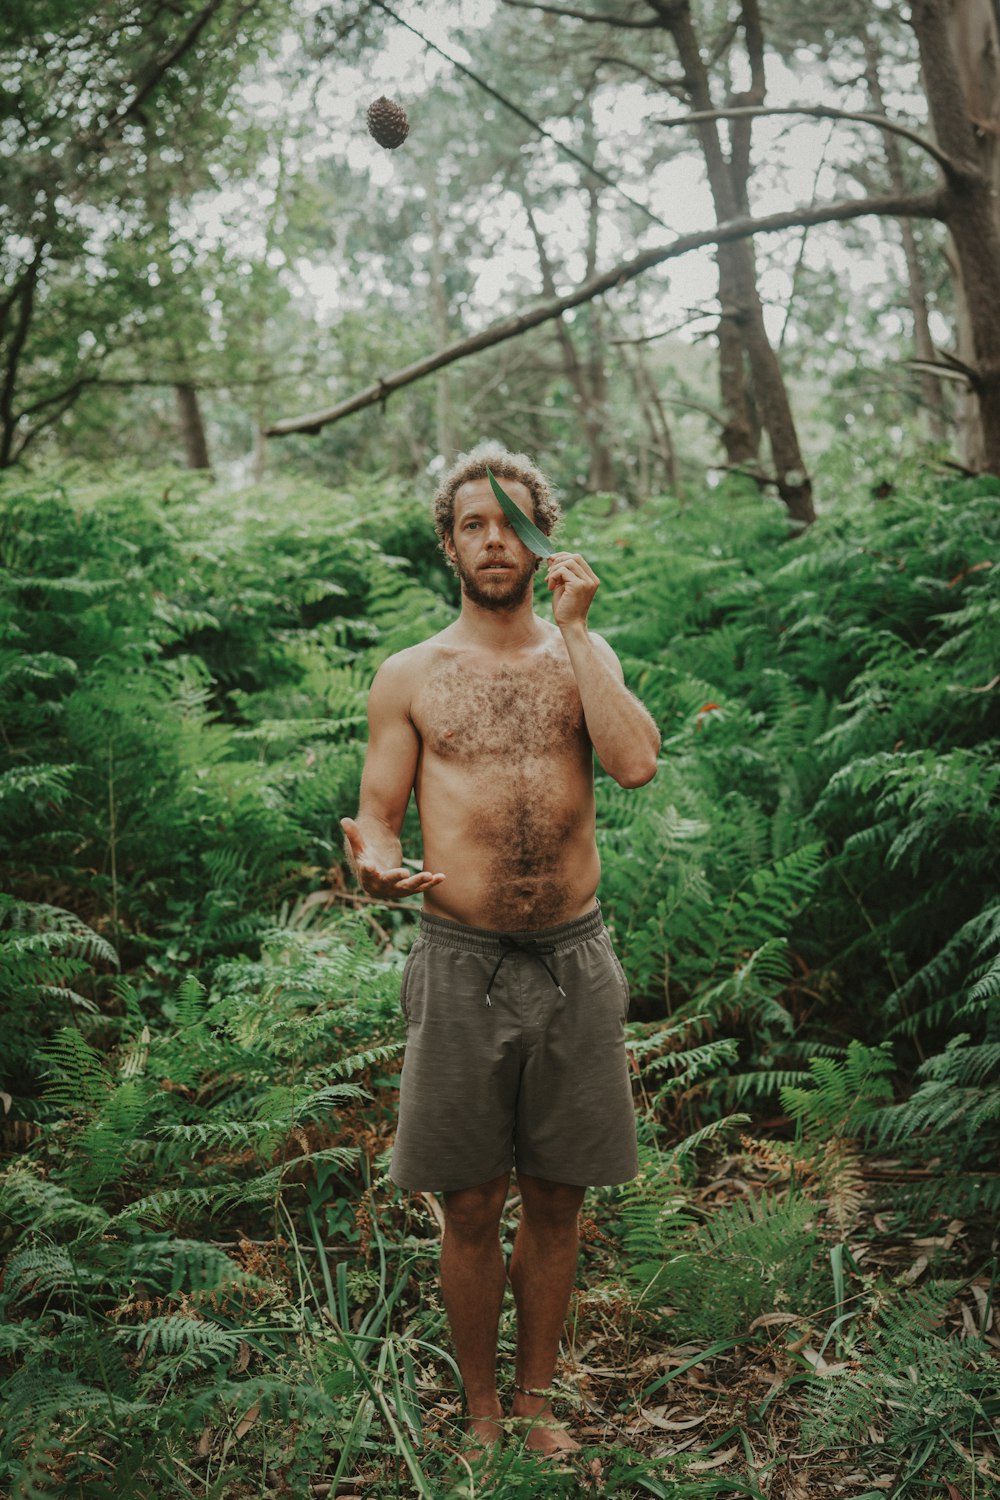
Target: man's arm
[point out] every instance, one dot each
(622, 732)
(372, 839)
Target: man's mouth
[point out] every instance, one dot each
(495, 568)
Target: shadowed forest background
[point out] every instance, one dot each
(732, 276)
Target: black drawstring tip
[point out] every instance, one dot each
(509, 945)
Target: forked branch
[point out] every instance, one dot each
(953, 170)
(916, 205)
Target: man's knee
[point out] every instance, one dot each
(550, 1203)
(473, 1213)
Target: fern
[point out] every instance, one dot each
(907, 1386)
(843, 1093)
(712, 1279)
(957, 1098)
(192, 1343)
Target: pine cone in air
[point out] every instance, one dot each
(387, 123)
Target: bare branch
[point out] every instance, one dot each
(942, 371)
(584, 15)
(675, 86)
(162, 65)
(698, 315)
(700, 406)
(155, 382)
(723, 42)
(26, 438)
(917, 205)
(952, 169)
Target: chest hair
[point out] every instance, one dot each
(475, 713)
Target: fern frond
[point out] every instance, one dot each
(193, 1343)
(26, 1197)
(677, 1153)
(843, 1093)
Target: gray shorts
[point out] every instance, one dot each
(515, 1057)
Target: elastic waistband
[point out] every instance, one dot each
(492, 943)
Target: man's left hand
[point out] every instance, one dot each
(573, 583)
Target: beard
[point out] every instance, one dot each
(496, 591)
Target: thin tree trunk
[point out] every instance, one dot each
(661, 440)
(192, 427)
(741, 430)
(588, 378)
(792, 479)
(22, 302)
(741, 433)
(596, 423)
(959, 42)
(259, 443)
(932, 396)
(439, 315)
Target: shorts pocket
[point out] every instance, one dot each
(407, 979)
(625, 989)
(619, 975)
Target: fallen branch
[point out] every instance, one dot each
(917, 205)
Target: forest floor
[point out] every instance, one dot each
(730, 1416)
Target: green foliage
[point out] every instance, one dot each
(244, 1098)
(712, 1277)
(201, 1040)
(842, 1095)
(186, 748)
(907, 1386)
(44, 951)
(817, 857)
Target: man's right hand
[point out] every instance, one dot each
(383, 884)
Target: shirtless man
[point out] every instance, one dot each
(514, 999)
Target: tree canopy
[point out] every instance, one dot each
(200, 238)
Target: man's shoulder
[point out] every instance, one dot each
(400, 673)
(403, 663)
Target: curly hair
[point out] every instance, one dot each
(515, 466)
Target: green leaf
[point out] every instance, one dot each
(536, 541)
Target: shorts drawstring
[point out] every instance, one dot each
(532, 949)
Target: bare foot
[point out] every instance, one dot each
(482, 1436)
(542, 1433)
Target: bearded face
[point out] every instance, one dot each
(495, 584)
(493, 564)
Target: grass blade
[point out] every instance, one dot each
(536, 541)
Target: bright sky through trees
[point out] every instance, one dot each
(796, 160)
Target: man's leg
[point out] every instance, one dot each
(472, 1281)
(542, 1272)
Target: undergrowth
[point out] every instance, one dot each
(209, 1284)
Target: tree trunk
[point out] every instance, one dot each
(793, 482)
(741, 429)
(931, 393)
(445, 438)
(741, 432)
(259, 468)
(19, 303)
(661, 439)
(192, 427)
(588, 377)
(959, 42)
